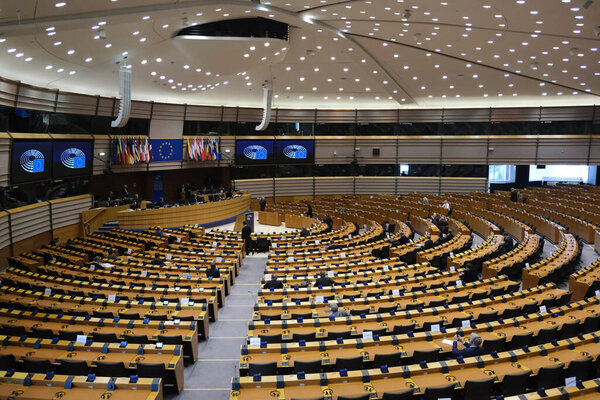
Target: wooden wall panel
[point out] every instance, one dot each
(512, 150)
(334, 185)
(463, 185)
(29, 221)
(419, 149)
(256, 187)
(4, 159)
(375, 184)
(68, 211)
(569, 150)
(464, 150)
(407, 184)
(293, 186)
(4, 231)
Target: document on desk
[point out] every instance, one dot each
(448, 342)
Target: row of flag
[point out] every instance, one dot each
(129, 151)
(203, 149)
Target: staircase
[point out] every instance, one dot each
(107, 227)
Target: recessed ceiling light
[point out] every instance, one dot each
(60, 4)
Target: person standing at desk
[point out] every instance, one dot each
(309, 212)
(472, 346)
(263, 204)
(246, 236)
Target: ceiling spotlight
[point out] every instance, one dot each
(406, 14)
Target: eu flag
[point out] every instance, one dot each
(167, 149)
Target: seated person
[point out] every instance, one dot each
(336, 312)
(157, 260)
(324, 280)
(273, 283)
(304, 233)
(213, 270)
(472, 346)
(428, 244)
(112, 256)
(159, 232)
(470, 273)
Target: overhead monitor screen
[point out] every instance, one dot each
(254, 152)
(31, 161)
(72, 158)
(295, 151)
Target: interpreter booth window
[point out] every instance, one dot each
(502, 173)
(552, 174)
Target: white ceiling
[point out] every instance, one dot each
(341, 54)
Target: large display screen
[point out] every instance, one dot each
(31, 161)
(254, 152)
(72, 158)
(295, 151)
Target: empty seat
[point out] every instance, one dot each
(480, 389)
(308, 367)
(405, 395)
(11, 330)
(546, 335)
(582, 369)
(366, 396)
(103, 314)
(105, 337)
(262, 368)
(425, 355)
(42, 333)
(514, 384)
(390, 359)
(157, 370)
(487, 317)
(435, 393)
(270, 338)
(7, 362)
(69, 335)
(304, 336)
(295, 316)
(37, 366)
(549, 377)
(494, 344)
(351, 363)
(129, 315)
(138, 339)
(72, 367)
(518, 341)
(400, 329)
(112, 369)
(174, 339)
(568, 330)
(511, 312)
(591, 324)
(336, 335)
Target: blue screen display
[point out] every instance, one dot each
(31, 161)
(295, 151)
(72, 158)
(249, 152)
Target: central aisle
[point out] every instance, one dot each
(219, 356)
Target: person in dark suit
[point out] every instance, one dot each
(213, 271)
(472, 346)
(470, 273)
(309, 212)
(428, 244)
(125, 191)
(514, 196)
(157, 260)
(246, 232)
(273, 283)
(304, 232)
(328, 221)
(263, 204)
(324, 280)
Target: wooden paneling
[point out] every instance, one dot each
(4, 159)
(179, 216)
(68, 211)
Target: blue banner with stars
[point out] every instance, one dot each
(166, 149)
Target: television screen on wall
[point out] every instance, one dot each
(254, 152)
(31, 160)
(72, 158)
(290, 151)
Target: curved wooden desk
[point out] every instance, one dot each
(183, 215)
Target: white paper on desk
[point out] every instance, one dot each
(169, 256)
(570, 381)
(159, 345)
(330, 273)
(543, 309)
(597, 292)
(267, 277)
(92, 267)
(435, 328)
(448, 342)
(459, 283)
(219, 259)
(129, 251)
(396, 292)
(112, 297)
(452, 269)
(320, 299)
(214, 244)
(184, 301)
(177, 288)
(386, 268)
(176, 321)
(48, 291)
(201, 289)
(106, 265)
(254, 341)
(178, 240)
(343, 255)
(451, 254)
(466, 323)
(81, 339)
(144, 273)
(317, 242)
(291, 258)
(526, 265)
(367, 335)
